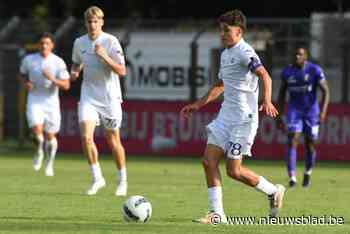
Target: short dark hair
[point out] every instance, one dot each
(46, 35)
(234, 18)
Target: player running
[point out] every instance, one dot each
(44, 73)
(232, 133)
(101, 57)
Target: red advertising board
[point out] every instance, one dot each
(155, 127)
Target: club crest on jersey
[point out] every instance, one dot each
(228, 61)
(291, 80)
(306, 77)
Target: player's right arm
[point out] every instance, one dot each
(75, 71)
(281, 102)
(23, 74)
(213, 93)
(77, 64)
(26, 82)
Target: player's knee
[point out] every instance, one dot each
(38, 138)
(310, 149)
(205, 162)
(51, 137)
(87, 140)
(118, 146)
(114, 143)
(293, 142)
(234, 173)
(208, 163)
(310, 144)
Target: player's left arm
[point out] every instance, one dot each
(250, 59)
(116, 66)
(267, 105)
(325, 99)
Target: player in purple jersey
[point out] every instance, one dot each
(301, 79)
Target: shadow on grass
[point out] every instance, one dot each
(78, 225)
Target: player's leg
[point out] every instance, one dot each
(293, 141)
(214, 152)
(35, 118)
(88, 117)
(241, 141)
(87, 129)
(38, 140)
(51, 127)
(210, 161)
(310, 159)
(311, 134)
(243, 174)
(118, 152)
(51, 146)
(112, 125)
(295, 128)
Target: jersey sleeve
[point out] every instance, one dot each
(76, 55)
(250, 59)
(23, 69)
(62, 72)
(319, 74)
(284, 75)
(116, 51)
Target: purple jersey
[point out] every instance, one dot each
(303, 108)
(302, 87)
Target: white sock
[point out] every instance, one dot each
(40, 141)
(215, 199)
(308, 172)
(265, 186)
(51, 149)
(96, 171)
(293, 178)
(121, 175)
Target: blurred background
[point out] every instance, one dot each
(172, 50)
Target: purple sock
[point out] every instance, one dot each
(310, 160)
(291, 161)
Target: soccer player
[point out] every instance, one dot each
(101, 57)
(44, 73)
(233, 131)
(301, 79)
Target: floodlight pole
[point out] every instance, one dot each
(194, 65)
(345, 54)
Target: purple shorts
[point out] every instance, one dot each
(309, 124)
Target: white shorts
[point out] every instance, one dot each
(236, 140)
(111, 119)
(38, 114)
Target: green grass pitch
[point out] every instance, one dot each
(33, 203)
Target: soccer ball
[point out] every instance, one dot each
(137, 209)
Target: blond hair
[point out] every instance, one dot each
(93, 11)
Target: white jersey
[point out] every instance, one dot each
(44, 92)
(241, 88)
(101, 86)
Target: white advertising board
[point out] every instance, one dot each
(159, 65)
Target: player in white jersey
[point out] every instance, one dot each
(44, 73)
(233, 131)
(101, 57)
